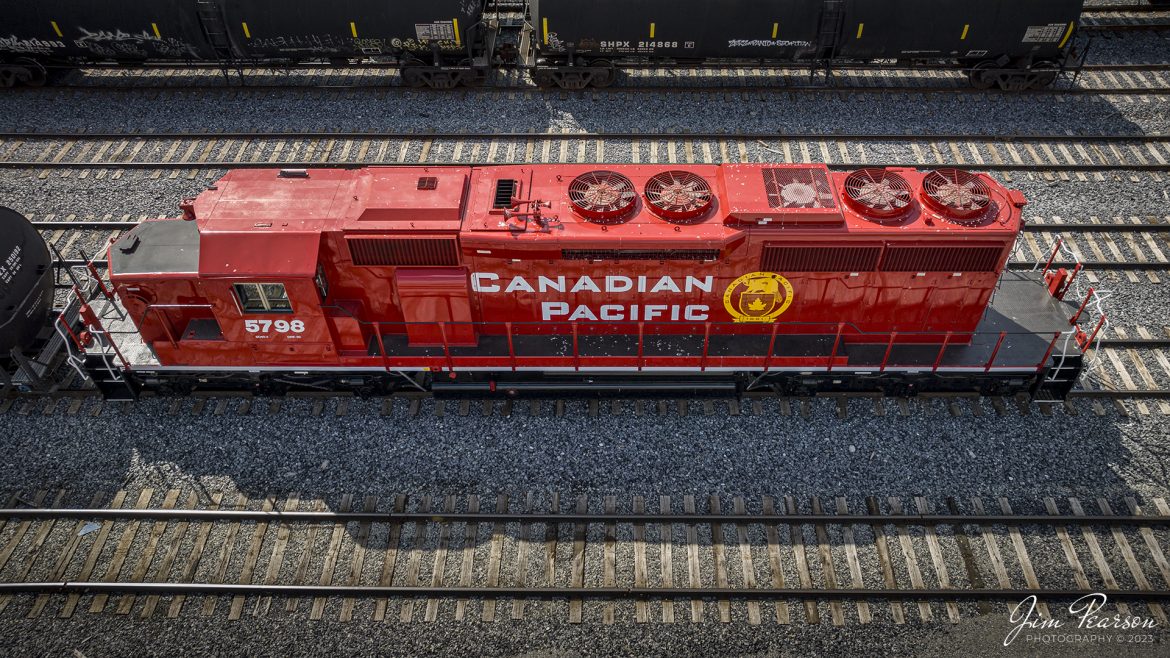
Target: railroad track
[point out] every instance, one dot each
(1124, 19)
(1064, 154)
(1110, 79)
(670, 560)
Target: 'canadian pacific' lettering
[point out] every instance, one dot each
(489, 282)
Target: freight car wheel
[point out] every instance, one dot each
(474, 77)
(1042, 74)
(7, 78)
(543, 77)
(412, 75)
(36, 74)
(604, 73)
(983, 76)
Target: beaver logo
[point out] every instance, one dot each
(758, 297)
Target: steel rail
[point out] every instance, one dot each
(1130, 9)
(454, 591)
(574, 136)
(274, 516)
(1125, 27)
(634, 87)
(1121, 394)
(1093, 265)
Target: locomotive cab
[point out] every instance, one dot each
(223, 298)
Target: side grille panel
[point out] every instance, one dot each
(394, 252)
(941, 259)
(819, 259)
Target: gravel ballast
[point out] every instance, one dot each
(764, 111)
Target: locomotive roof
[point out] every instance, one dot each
(157, 246)
(272, 222)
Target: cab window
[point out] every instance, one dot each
(263, 298)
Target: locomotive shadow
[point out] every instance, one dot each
(262, 455)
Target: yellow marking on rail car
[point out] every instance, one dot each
(966, 28)
(652, 30)
(1067, 34)
(455, 24)
(544, 25)
(56, 29)
(157, 34)
(775, 29)
(860, 29)
(247, 32)
(353, 29)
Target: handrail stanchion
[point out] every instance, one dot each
(836, 344)
(941, 351)
(576, 353)
(69, 330)
(446, 347)
(166, 325)
(1052, 257)
(1051, 347)
(1077, 316)
(511, 347)
(641, 334)
(381, 346)
(1093, 336)
(889, 348)
(998, 343)
(706, 346)
(771, 346)
(1068, 282)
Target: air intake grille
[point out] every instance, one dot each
(798, 188)
(505, 191)
(820, 259)
(392, 252)
(634, 254)
(941, 259)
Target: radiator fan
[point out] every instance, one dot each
(877, 193)
(678, 196)
(956, 194)
(602, 196)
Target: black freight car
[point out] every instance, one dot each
(439, 42)
(1006, 43)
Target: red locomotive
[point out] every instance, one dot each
(520, 278)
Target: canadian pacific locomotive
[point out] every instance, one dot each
(515, 279)
(571, 43)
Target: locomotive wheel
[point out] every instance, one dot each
(982, 75)
(1042, 75)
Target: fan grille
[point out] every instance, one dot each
(798, 187)
(877, 193)
(678, 195)
(602, 196)
(955, 193)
